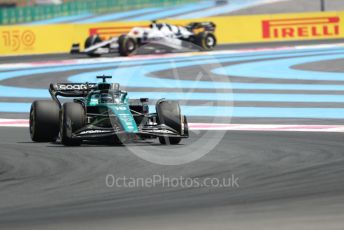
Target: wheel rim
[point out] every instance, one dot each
(131, 46)
(210, 41)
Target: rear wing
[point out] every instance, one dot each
(206, 26)
(70, 90)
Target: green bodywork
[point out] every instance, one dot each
(119, 107)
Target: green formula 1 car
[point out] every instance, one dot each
(103, 112)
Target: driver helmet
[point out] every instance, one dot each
(106, 98)
(153, 24)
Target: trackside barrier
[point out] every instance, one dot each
(16, 40)
(16, 15)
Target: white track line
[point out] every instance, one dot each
(222, 127)
(267, 127)
(14, 122)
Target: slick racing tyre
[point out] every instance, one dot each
(205, 40)
(91, 41)
(126, 45)
(72, 119)
(185, 127)
(44, 121)
(170, 115)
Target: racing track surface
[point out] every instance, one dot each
(288, 180)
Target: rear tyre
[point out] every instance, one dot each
(170, 115)
(126, 45)
(205, 40)
(44, 121)
(91, 41)
(72, 119)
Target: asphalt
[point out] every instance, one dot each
(324, 66)
(286, 181)
(67, 56)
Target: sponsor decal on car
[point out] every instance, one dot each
(163, 131)
(73, 86)
(94, 131)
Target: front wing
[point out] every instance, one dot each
(105, 47)
(94, 133)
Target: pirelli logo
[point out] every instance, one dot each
(317, 27)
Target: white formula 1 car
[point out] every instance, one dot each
(196, 34)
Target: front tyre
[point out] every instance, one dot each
(44, 121)
(91, 41)
(185, 127)
(126, 45)
(72, 119)
(205, 40)
(169, 114)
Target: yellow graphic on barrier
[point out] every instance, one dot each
(15, 40)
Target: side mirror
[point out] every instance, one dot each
(124, 95)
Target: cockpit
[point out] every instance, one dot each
(107, 93)
(161, 26)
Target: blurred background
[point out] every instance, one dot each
(92, 11)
